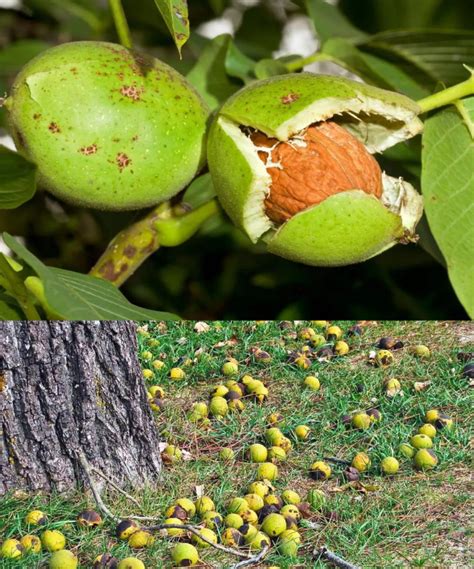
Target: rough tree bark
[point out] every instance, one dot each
(68, 388)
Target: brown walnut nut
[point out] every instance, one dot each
(323, 160)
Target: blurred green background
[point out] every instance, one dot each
(219, 274)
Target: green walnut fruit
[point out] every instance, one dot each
(255, 501)
(258, 453)
(320, 470)
(421, 351)
(316, 498)
(341, 348)
(267, 471)
(218, 407)
(203, 505)
(226, 454)
(276, 454)
(291, 161)
(273, 525)
(361, 421)
(230, 368)
(291, 510)
(140, 539)
(361, 461)
(232, 537)
(125, 528)
(389, 465)
(248, 531)
(36, 518)
(108, 128)
(185, 555)
(53, 540)
(290, 497)
(392, 387)
(204, 533)
(421, 441)
(237, 506)
(289, 542)
(302, 432)
(383, 358)
(425, 459)
(11, 549)
(312, 382)
(259, 487)
(233, 521)
(407, 450)
(428, 429)
(131, 563)
(213, 520)
(187, 505)
(31, 543)
(63, 559)
(174, 531)
(260, 541)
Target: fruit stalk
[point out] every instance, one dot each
(449, 95)
(15, 284)
(163, 226)
(121, 24)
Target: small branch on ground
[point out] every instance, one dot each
(327, 555)
(336, 460)
(114, 486)
(252, 560)
(86, 467)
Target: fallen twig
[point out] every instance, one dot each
(336, 460)
(327, 555)
(252, 560)
(115, 486)
(87, 468)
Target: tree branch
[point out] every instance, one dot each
(252, 560)
(164, 226)
(327, 555)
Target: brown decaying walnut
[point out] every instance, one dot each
(307, 169)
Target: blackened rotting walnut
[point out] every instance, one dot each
(468, 370)
(389, 343)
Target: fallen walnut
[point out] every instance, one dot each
(324, 160)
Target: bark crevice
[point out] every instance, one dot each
(67, 388)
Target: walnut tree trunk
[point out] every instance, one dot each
(72, 388)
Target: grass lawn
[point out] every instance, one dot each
(412, 519)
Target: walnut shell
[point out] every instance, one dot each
(325, 160)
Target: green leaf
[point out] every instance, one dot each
(428, 56)
(238, 65)
(393, 14)
(448, 189)
(330, 22)
(269, 67)
(8, 312)
(373, 69)
(200, 191)
(15, 55)
(175, 15)
(209, 74)
(82, 297)
(17, 179)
